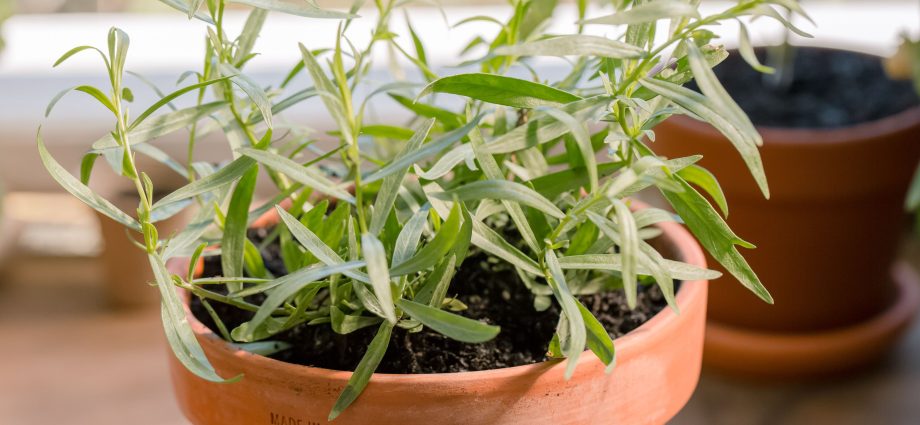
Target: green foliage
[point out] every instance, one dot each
(374, 233)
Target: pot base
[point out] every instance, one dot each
(782, 357)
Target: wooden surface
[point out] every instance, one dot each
(67, 359)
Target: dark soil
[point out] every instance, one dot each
(493, 293)
(830, 88)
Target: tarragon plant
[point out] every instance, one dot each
(378, 223)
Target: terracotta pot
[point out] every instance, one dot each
(125, 266)
(657, 370)
(826, 241)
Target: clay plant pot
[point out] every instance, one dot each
(826, 240)
(658, 366)
(126, 269)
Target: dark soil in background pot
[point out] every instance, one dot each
(830, 88)
(492, 291)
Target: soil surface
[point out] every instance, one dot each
(493, 293)
(830, 88)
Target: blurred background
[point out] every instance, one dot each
(80, 341)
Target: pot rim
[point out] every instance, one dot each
(851, 133)
(691, 292)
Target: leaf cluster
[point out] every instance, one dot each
(379, 216)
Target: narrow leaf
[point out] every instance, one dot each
(179, 333)
(379, 274)
(574, 343)
(292, 169)
(705, 180)
(714, 234)
(448, 324)
(307, 9)
(386, 197)
(649, 12)
(599, 341)
(252, 89)
(502, 190)
(235, 225)
(614, 262)
(427, 150)
(574, 45)
(364, 371)
(226, 175)
(500, 90)
(80, 190)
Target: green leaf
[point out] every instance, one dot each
(252, 261)
(252, 89)
(614, 262)
(434, 251)
(169, 98)
(81, 191)
(745, 141)
(721, 111)
(387, 132)
(408, 239)
(576, 336)
(583, 140)
(554, 184)
(599, 341)
(500, 90)
(433, 291)
(423, 109)
(705, 180)
(293, 283)
(364, 371)
(235, 225)
(649, 216)
(193, 7)
(502, 190)
(347, 323)
(76, 50)
(765, 10)
(190, 234)
(118, 53)
(292, 169)
(386, 197)
(537, 13)
(86, 167)
(545, 128)
(162, 125)
(307, 9)
(263, 348)
(248, 36)
(286, 287)
(448, 324)
(427, 150)
(183, 6)
(179, 333)
(379, 274)
(747, 50)
(649, 12)
(714, 235)
(226, 175)
(495, 244)
(162, 157)
(627, 238)
(315, 245)
(574, 45)
(491, 170)
(90, 90)
(327, 92)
